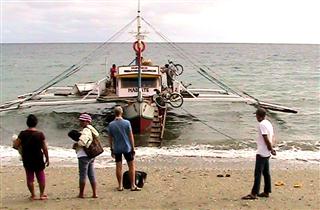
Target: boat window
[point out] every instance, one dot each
(133, 82)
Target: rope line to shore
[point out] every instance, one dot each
(211, 127)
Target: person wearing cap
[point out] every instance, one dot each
(122, 143)
(264, 151)
(86, 164)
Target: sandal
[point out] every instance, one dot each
(136, 189)
(249, 197)
(264, 195)
(44, 197)
(32, 198)
(120, 188)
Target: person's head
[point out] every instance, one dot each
(118, 111)
(85, 120)
(260, 114)
(113, 65)
(166, 65)
(32, 121)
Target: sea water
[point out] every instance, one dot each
(284, 74)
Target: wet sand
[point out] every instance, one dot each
(172, 183)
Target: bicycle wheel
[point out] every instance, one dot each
(178, 69)
(159, 101)
(176, 100)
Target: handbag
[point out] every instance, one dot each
(95, 148)
(140, 179)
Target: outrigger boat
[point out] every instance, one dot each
(141, 89)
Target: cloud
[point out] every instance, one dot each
(285, 21)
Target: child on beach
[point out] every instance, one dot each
(33, 144)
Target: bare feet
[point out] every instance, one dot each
(80, 196)
(32, 198)
(44, 197)
(94, 196)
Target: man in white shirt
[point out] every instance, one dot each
(264, 151)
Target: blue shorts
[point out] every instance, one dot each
(128, 156)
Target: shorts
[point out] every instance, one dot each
(128, 156)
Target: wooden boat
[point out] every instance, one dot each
(134, 91)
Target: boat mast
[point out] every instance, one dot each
(138, 37)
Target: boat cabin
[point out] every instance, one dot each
(127, 80)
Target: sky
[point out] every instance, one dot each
(219, 21)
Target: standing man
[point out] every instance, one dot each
(113, 72)
(264, 151)
(122, 143)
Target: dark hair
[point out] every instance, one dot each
(32, 121)
(74, 135)
(113, 65)
(166, 65)
(261, 112)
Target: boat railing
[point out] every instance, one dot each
(97, 88)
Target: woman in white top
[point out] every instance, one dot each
(86, 164)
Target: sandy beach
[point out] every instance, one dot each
(172, 183)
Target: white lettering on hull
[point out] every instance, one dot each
(135, 90)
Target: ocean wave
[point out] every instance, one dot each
(67, 157)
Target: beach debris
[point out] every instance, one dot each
(226, 175)
(279, 183)
(297, 185)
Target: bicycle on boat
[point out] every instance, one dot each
(165, 97)
(175, 69)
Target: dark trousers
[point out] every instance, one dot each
(262, 167)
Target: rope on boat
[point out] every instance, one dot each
(201, 71)
(74, 68)
(209, 126)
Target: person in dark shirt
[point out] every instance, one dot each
(34, 147)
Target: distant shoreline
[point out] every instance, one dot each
(223, 43)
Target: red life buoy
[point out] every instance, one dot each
(136, 46)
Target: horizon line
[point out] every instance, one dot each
(185, 42)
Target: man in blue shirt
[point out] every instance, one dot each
(122, 143)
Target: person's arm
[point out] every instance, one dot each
(111, 145)
(132, 142)
(45, 152)
(268, 143)
(85, 137)
(16, 144)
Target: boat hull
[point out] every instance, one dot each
(140, 114)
